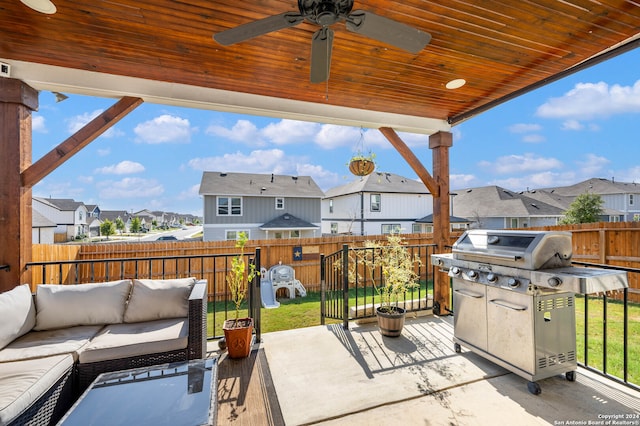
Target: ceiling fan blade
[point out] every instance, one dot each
(387, 31)
(257, 28)
(321, 54)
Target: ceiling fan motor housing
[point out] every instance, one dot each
(325, 13)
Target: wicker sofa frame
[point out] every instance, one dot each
(51, 406)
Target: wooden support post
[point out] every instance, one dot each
(17, 101)
(440, 143)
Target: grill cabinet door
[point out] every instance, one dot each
(470, 307)
(510, 330)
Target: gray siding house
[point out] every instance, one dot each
(262, 205)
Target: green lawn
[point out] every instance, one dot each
(615, 335)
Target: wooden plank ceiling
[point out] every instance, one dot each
(498, 47)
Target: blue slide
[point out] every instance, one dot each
(268, 295)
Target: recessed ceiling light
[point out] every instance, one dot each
(42, 6)
(456, 84)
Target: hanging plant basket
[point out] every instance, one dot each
(361, 166)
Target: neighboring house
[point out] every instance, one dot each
(261, 205)
(564, 201)
(621, 199)
(70, 216)
(379, 203)
(493, 207)
(456, 223)
(42, 229)
(93, 210)
(113, 215)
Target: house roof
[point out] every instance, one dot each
(452, 219)
(112, 215)
(62, 204)
(379, 182)
(563, 201)
(259, 185)
(597, 186)
(287, 221)
(39, 221)
(495, 201)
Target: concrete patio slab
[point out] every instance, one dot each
(327, 375)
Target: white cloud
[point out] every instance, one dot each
(79, 121)
(629, 175)
(258, 161)
(592, 100)
(286, 132)
(536, 180)
(243, 131)
(192, 192)
(525, 128)
(38, 124)
(164, 129)
(572, 125)
(533, 138)
(130, 188)
(122, 168)
(104, 152)
(462, 181)
(592, 165)
(521, 164)
(85, 179)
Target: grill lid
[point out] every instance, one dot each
(529, 250)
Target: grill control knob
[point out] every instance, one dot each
(491, 277)
(554, 281)
(473, 275)
(513, 283)
(455, 270)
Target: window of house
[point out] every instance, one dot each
(80, 215)
(278, 235)
(229, 206)
(514, 222)
(235, 234)
(279, 203)
(630, 199)
(334, 227)
(295, 233)
(416, 228)
(330, 206)
(389, 228)
(375, 202)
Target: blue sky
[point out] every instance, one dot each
(586, 125)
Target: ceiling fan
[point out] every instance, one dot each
(326, 13)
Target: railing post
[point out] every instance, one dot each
(323, 290)
(345, 286)
(255, 299)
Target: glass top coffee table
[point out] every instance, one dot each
(183, 393)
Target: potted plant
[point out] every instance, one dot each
(238, 331)
(394, 265)
(362, 165)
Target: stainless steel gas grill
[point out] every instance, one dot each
(513, 299)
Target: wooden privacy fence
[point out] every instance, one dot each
(616, 244)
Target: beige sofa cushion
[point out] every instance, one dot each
(59, 306)
(140, 338)
(18, 314)
(23, 382)
(159, 299)
(38, 344)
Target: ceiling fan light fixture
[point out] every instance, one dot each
(43, 6)
(456, 84)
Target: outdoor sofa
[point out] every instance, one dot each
(55, 342)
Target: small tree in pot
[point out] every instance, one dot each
(238, 331)
(395, 266)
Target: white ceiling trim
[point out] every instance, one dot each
(72, 81)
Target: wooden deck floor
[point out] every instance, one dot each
(246, 396)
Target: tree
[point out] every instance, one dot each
(120, 224)
(136, 225)
(107, 228)
(586, 208)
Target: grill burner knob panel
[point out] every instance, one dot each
(513, 283)
(455, 271)
(554, 282)
(473, 275)
(492, 278)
